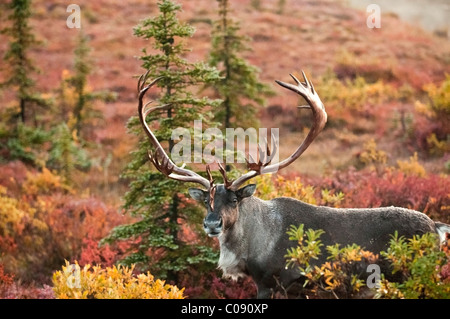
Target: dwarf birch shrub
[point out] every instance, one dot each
(336, 276)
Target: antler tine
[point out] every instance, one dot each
(227, 182)
(272, 152)
(263, 154)
(143, 80)
(139, 83)
(265, 157)
(208, 172)
(250, 161)
(295, 78)
(308, 83)
(274, 141)
(312, 87)
(164, 166)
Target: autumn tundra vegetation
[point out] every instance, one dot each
(85, 214)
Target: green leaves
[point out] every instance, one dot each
(308, 247)
(420, 263)
(26, 144)
(205, 255)
(66, 154)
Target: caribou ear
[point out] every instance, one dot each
(246, 191)
(197, 194)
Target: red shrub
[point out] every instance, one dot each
(211, 286)
(429, 194)
(105, 255)
(13, 175)
(5, 279)
(9, 289)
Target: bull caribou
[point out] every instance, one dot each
(252, 232)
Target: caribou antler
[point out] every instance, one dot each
(164, 164)
(264, 165)
(264, 159)
(159, 158)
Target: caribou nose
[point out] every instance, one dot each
(213, 227)
(212, 224)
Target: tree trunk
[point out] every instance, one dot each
(172, 275)
(22, 110)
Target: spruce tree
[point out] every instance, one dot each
(21, 67)
(79, 80)
(157, 200)
(18, 138)
(83, 111)
(240, 88)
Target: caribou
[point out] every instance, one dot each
(252, 232)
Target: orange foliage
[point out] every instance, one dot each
(46, 222)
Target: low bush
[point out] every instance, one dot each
(74, 282)
(423, 265)
(270, 187)
(431, 126)
(200, 285)
(338, 276)
(43, 222)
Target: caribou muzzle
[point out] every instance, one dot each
(212, 225)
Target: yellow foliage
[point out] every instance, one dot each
(74, 282)
(438, 109)
(335, 273)
(412, 167)
(438, 147)
(10, 214)
(423, 108)
(389, 290)
(354, 94)
(440, 97)
(282, 187)
(371, 155)
(43, 183)
(269, 188)
(14, 215)
(332, 199)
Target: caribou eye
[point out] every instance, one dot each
(235, 200)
